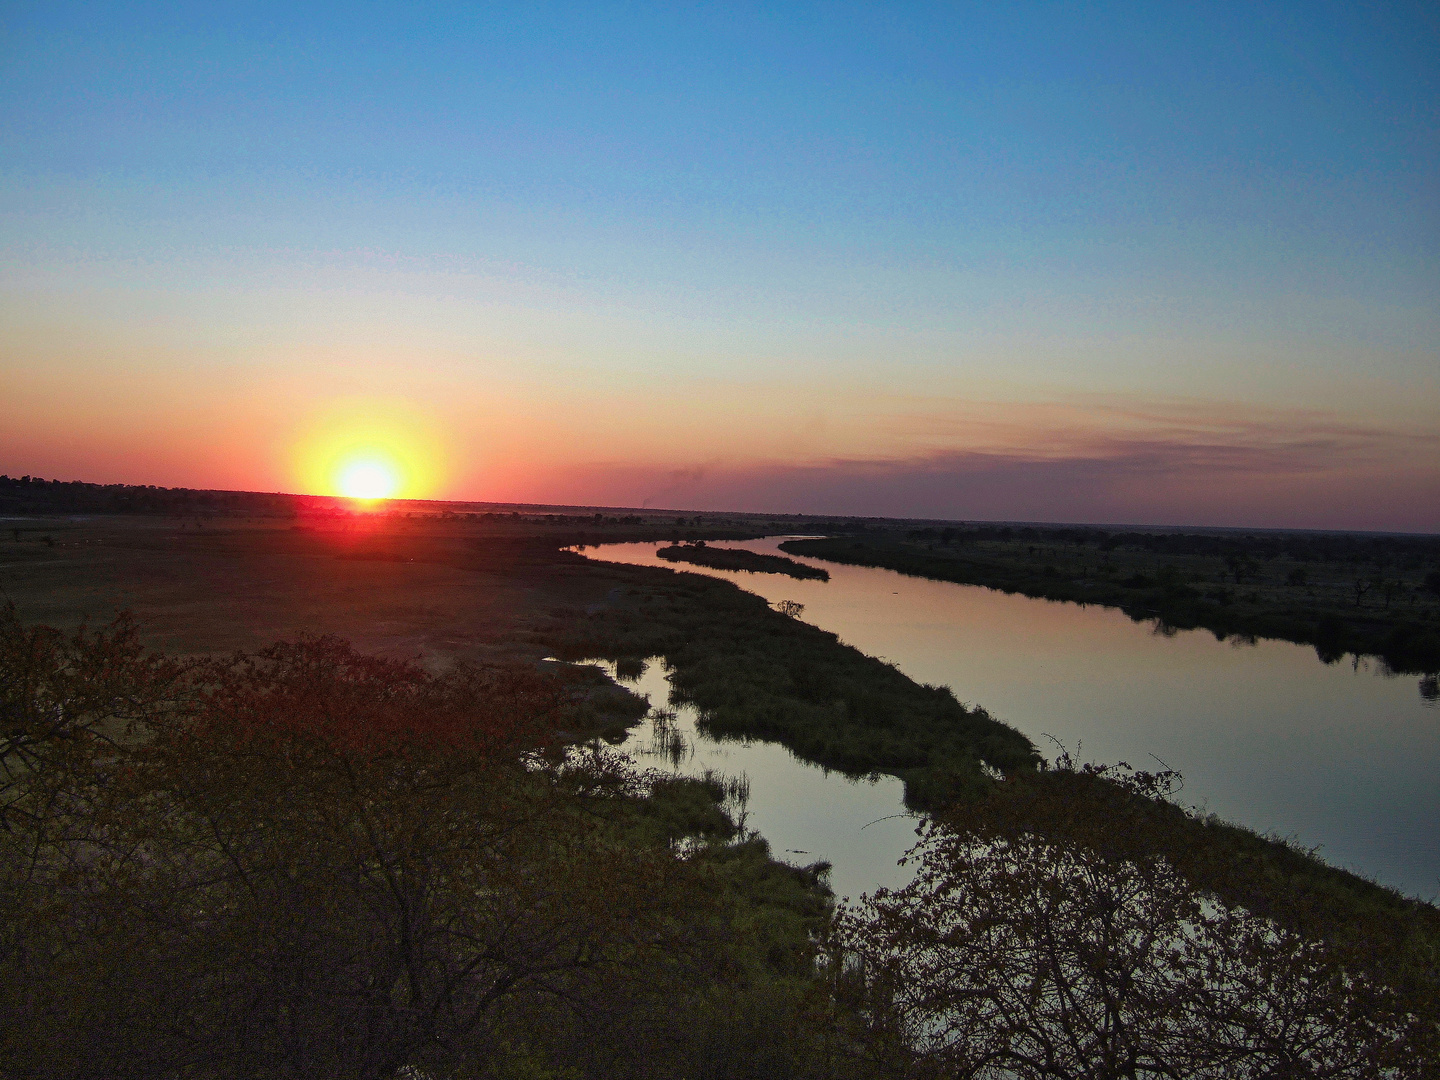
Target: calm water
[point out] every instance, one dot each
(806, 813)
(1341, 757)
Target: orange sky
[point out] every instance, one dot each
(1145, 263)
(1081, 457)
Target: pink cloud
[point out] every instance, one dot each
(1174, 466)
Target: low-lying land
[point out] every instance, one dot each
(280, 847)
(450, 590)
(752, 562)
(304, 861)
(756, 673)
(1341, 593)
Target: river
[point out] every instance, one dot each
(1343, 758)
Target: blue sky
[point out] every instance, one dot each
(774, 237)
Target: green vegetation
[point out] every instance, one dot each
(304, 861)
(457, 590)
(740, 559)
(755, 673)
(1341, 593)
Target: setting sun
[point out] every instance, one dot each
(368, 478)
(368, 451)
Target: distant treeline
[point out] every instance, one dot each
(1340, 592)
(1299, 546)
(32, 495)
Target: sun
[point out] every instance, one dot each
(369, 452)
(367, 478)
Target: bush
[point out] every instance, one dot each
(311, 863)
(1044, 938)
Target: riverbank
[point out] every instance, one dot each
(1016, 641)
(1340, 593)
(757, 673)
(452, 589)
(449, 590)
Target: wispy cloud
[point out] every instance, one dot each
(1105, 461)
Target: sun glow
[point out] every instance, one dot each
(370, 452)
(368, 479)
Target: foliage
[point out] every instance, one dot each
(62, 691)
(311, 863)
(1041, 939)
(740, 559)
(306, 862)
(755, 673)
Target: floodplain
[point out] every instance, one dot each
(445, 611)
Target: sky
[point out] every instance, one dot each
(1141, 263)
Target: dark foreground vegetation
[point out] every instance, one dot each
(304, 862)
(739, 559)
(1075, 923)
(1342, 593)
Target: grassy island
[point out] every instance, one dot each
(738, 559)
(756, 673)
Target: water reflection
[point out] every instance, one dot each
(807, 814)
(667, 741)
(1341, 756)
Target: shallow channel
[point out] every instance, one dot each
(807, 814)
(1343, 757)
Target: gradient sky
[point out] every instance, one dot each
(1136, 263)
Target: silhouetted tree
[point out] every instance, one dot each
(1036, 943)
(1360, 586)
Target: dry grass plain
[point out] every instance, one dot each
(440, 590)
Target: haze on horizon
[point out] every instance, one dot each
(1120, 262)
